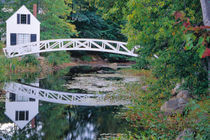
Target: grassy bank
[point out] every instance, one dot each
(148, 122)
(10, 68)
(18, 65)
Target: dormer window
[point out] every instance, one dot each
(23, 19)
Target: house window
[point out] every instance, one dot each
(23, 38)
(21, 115)
(23, 18)
(32, 100)
(12, 97)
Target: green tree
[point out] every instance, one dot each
(112, 10)
(154, 26)
(54, 20)
(5, 12)
(90, 24)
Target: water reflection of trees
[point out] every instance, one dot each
(93, 121)
(56, 121)
(78, 122)
(54, 81)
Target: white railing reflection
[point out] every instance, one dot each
(61, 97)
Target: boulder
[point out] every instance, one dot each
(174, 105)
(176, 89)
(187, 133)
(183, 94)
(113, 66)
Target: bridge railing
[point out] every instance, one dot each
(71, 45)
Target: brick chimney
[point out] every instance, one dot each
(35, 10)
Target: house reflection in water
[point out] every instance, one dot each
(21, 109)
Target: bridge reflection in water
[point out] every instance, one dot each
(22, 101)
(61, 97)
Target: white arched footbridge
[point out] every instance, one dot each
(97, 45)
(62, 97)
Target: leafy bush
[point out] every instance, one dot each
(114, 57)
(1, 47)
(168, 32)
(149, 123)
(7, 65)
(2, 68)
(141, 63)
(14, 65)
(56, 58)
(86, 58)
(30, 59)
(198, 115)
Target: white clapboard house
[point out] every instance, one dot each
(21, 109)
(22, 27)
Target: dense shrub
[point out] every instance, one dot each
(141, 63)
(86, 58)
(162, 29)
(30, 59)
(13, 64)
(56, 58)
(148, 122)
(1, 47)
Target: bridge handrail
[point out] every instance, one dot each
(72, 44)
(71, 39)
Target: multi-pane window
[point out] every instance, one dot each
(16, 39)
(12, 97)
(21, 115)
(23, 18)
(23, 38)
(18, 98)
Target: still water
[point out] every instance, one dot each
(64, 105)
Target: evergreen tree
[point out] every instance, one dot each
(90, 24)
(54, 20)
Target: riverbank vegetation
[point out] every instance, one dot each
(9, 67)
(172, 41)
(149, 122)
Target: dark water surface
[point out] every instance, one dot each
(23, 116)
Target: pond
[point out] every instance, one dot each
(71, 104)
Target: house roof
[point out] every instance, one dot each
(22, 7)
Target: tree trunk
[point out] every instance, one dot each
(205, 4)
